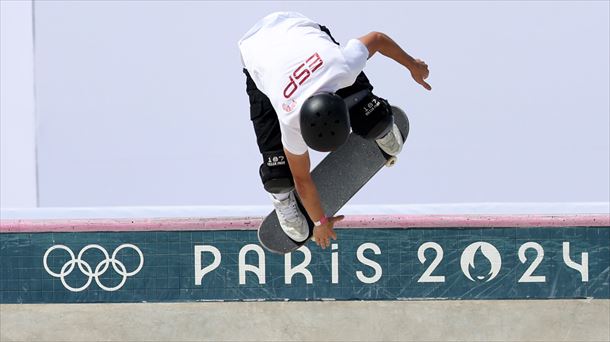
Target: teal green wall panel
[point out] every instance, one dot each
(476, 264)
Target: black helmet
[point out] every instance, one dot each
(324, 122)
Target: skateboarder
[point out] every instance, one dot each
(296, 78)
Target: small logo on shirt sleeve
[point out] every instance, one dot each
(289, 105)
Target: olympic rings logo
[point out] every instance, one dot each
(99, 270)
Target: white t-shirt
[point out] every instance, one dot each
(290, 58)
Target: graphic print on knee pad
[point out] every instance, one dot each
(372, 117)
(275, 173)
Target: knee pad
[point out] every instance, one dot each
(372, 117)
(275, 173)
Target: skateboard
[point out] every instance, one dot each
(338, 177)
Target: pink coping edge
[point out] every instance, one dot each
(380, 221)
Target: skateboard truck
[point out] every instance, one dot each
(391, 161)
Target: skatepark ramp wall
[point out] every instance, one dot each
(387, 277)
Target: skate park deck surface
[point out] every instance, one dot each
(512, 320)
(580, 313)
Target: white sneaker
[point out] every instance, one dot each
(392, 142)
(291, 219)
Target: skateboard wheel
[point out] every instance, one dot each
(391, 161)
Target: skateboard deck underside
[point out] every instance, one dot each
(338, 177)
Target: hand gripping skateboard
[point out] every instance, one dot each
(338, 177)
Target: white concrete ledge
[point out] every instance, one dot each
(477, 320)
(362, 222)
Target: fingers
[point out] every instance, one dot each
(336, 219)
(322, 235)
(422, 63)
(323, 242)
(323, 238)
(333, 234)
(326, 239)
(318, 241)
(423, 74)
(422, 81)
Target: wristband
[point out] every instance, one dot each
(323, 220)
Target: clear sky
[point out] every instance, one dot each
(143, 103)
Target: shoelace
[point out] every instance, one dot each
(289, 211)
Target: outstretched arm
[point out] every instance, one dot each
(308, 192)
(380, 42)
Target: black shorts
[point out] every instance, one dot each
(264, 118)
